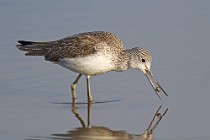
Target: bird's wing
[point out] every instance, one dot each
(78, 45)
(71, 47)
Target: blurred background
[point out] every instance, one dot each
(175, 32)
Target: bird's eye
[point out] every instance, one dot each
(143, 60)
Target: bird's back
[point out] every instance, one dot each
(78, 45)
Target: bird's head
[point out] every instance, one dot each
(142, 60)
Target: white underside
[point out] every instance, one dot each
(89, 65)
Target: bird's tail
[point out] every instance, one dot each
(33, 48)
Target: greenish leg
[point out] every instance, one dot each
(89, 115)
(74, 85)
(90, 99)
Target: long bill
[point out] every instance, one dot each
(154, 83)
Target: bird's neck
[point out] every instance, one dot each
(126, 60)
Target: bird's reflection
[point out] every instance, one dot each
(88, 132)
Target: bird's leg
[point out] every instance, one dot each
(74, 85)
(89, 115)
(90, 99)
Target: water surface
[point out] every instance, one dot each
(177, 34)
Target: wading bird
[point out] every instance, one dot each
(91, 54)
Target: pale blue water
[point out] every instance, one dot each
(177, 34)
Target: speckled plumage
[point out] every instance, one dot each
(92, 53)
(78, 45)
(86, 44)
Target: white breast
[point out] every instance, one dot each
(89, 65)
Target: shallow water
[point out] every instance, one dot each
(35, 98)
